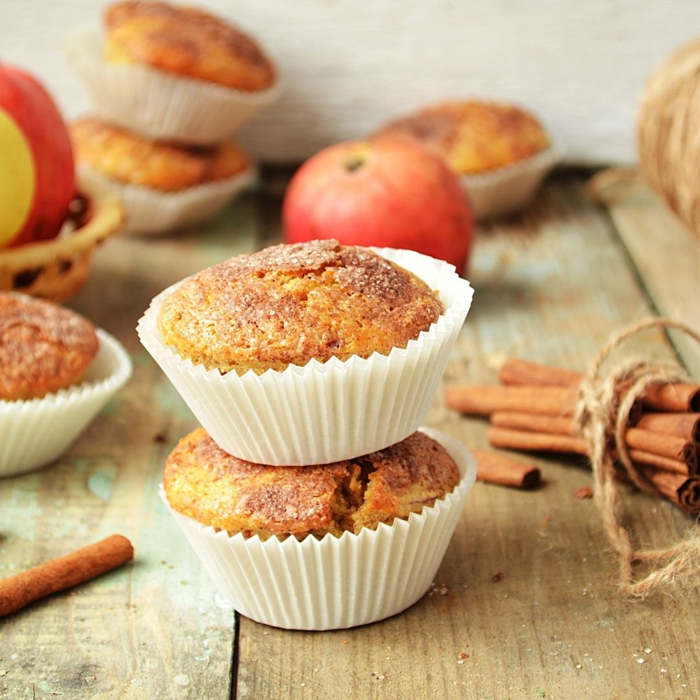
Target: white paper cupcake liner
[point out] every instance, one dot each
(322, 412)
(505, 190)
(150, 211)
(334, 582)
(36, 432)
(159, 104)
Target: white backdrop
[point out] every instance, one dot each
(349, 65)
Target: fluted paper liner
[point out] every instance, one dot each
(159, 104)
(37, 431)
(334, 582)
(505, 190)
(322, 412)
(151, 211)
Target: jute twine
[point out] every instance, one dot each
(602, 416)
(668, 135)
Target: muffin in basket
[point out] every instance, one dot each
(56, 373)
(501, 151)
(309, 353)
(162, 185)
(321, 546)
(173, 72)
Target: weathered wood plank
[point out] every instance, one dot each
(527, 589)
(157, 628)
(667, 255)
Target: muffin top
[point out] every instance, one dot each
(130, 158)
(215, 488)
(474, 136)
(43, 347)
(288, 304)
(187, 42)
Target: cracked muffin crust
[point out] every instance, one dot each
(130, 158)
(215, 488)
(187, 42)
(288, 304)
(43, 347)
(473, 136)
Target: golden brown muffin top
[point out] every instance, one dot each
(215, 488)
(130, 158)
(187, 42)
(43, 347)
(474, 136)
(288, 304)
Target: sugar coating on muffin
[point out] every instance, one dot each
(215, 488)
(167, 167)
(288, 304)
(473, 136)
(43, 347)
(187, 42)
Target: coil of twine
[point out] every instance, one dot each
(668, 133)
(603, 421)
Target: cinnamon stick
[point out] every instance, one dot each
(670, 446)
(24, 588)
(679, 397)
(682, 490)
(483, 400)
(683, 425)
(517, 372)
(664, 451)
(495, 468)
(534, 422)
(649, 459)
(535, 442)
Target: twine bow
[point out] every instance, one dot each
(602, 415)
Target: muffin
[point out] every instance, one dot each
(289, 304)
(56, 372)
(173, 73)
(163, 185)
(501, 151)
(309, 353)
(185, 41)
(342, 552)
(474, 136)
(43, 347)
(209, 485)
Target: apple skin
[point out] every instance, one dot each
(389, 192)
(29, 105)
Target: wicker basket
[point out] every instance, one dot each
(56, 269)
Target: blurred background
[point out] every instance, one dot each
(349, 66)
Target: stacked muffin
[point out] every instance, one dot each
(310, 497)
(170, 85)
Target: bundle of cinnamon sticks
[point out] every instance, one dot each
(532, 410)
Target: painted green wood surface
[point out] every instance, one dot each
(526, 589)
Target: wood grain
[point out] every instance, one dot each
(667, 256)
(524, 605)
(155, 628)
(527, 587)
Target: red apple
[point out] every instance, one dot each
(389, 192)
(37, 174)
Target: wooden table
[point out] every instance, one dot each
(527, 588)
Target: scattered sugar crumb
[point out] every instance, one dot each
(583, 492)
(647, 650)
(640, 660)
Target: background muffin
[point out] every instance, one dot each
(474, 136)
(187, 42)
(215, 488)
(168, 167)
(43, 347)
(288, 304)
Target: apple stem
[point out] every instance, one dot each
(353, 163)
